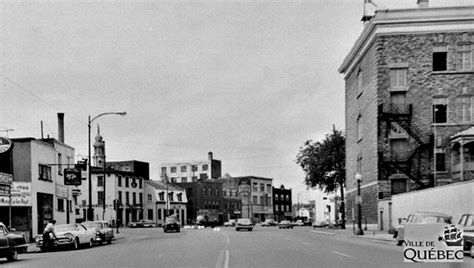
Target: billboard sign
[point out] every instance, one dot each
(72, 176)
(21, 195)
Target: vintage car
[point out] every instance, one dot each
(103, 233)
(142, 224)
(285, 225)
(11, 244)
(244, 224)
(269, 222)
(70, 235)
(421, 217)
(230, 223)
(467, 224)
(171, 223)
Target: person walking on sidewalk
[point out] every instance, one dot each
(48, 233)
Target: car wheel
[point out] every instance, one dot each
(471, 251)
(75, 244)
(109, 241)
(13, 256)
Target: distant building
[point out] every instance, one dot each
(204, 198)
(193, 170)
(232, 201)
(282, 206)
(409, 98)
(165, 199)
(256, 196)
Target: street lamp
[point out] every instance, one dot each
(90, 210)
(359, 231)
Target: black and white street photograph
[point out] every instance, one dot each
(237, 133)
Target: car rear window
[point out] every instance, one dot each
(244, 221)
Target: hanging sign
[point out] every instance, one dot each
(5, 144)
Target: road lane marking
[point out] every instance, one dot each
(226, 260)
(228, 239)
(342, 254)
(220, 259)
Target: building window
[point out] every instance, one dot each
(465, 57)
(44, 172)
(127, 181)
(184, 168)
(194, 168)
(204, 191)
(163, 170)
(161, 196)
(440, 113)
(277, 208)
(100, 181)
(255, 187)
(173, 180)
(140, 198)
(70, 205)
(464, 109)
(262, 187)
(269, 201)
(440, 56)
(60, 164)
(217, 191)
(180, 197)
(173, 169)
(287, 198)
(276, 197)
(398, 79)
(149, 197)
(127, 198)
(203, 176)
(170, 197)
(399, 186)
(60, 204)
(140, 183)
(269, 188)
(134, 198)
(119, 181)
(120, 196)
(158, 214)
(205, 167)
(100, 198)
(359, 83)
(262, 200)
(440, 162)
(359, 128)
(210, 191)
(194, 178)
(255, 199)
(184, 179)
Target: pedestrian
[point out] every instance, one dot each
(48, 234)
(118, 225)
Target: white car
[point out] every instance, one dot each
(422, 217)
(70, 235)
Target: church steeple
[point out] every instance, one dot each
(99, 149)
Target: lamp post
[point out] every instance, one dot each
(359, 231)
(90, 210)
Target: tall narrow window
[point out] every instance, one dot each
(359, 83)
(440, 58)
(359, 128)
(465, 57)
(440, 113)
(398, 102)
(60, 164)
(440, 162)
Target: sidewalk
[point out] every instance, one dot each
(374, 235)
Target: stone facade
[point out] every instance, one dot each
(393, 86)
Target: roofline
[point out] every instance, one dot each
(369, 33)
(252, 177)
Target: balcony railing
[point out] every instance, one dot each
(396, 109)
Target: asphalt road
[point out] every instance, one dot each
(263, 247)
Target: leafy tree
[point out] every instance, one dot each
(323, 162)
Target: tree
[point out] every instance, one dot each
(323, 162)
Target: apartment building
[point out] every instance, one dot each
(191, 171)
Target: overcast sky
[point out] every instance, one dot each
(248, 80)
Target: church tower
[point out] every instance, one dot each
(99, 149)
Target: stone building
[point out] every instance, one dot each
(409, 96)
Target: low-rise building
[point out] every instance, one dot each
(164, 199)
(282, 208)
(191, 171)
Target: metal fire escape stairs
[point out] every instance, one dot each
(405, 162)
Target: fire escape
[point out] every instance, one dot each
(406, 162)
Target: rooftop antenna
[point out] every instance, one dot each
(4, 129)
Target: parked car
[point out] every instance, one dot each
(244, 224)
(269, 222)
(11, 244)
(230, 223)
(103, 233)
(419, 218)
(171, 224)
(146, 224)
(320, 224)
(285, 225)
(70, 235)
(467, 224)
(298, 223)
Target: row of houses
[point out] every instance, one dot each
(35, 171)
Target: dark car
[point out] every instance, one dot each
(467, 224)
(11, 244)
(103, 233)
(285, 225)
(171, 224)
(244, 224)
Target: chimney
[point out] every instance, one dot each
(423, 3)
(209, 156)
(61, 127)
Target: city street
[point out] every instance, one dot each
(262, 247)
